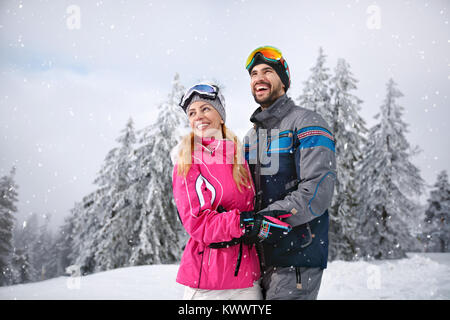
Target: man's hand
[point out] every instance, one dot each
(264, 226)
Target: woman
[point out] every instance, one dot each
(214, 194)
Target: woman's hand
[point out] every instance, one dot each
(264, 226)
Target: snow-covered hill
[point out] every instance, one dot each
(421, 276)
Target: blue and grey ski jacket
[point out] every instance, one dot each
(291, 153)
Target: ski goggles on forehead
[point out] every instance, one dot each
(270, 54)
(203, 90)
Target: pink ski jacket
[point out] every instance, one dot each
(208, 185)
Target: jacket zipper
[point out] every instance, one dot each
(258, 200)
(209, 256)
(201, 267)
(257, 205)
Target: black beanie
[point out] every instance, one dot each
(277, 66)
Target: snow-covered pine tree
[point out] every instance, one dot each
(140, 189)
(387, 179)
(23, 270)
(316, 94)
(8, 199)
(144, 162)
(437, 216)
(161, 235)
(349, 130)
(45, 250)
(87, 216)
(21, 267)
(99, 229)
(115, 238)
(64, 244)
(35, 254)
(25, 238)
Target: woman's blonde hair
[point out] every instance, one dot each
(186, 148)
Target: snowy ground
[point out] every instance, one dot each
(421, 276)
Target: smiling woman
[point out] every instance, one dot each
(207, 116)
(204, 120)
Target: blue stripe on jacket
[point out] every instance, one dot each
(322, 137)
(317, 141)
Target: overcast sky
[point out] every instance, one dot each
(73, 72)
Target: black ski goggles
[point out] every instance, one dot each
(203, 90)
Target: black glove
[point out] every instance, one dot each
(264, 226)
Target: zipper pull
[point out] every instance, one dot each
(298, 276)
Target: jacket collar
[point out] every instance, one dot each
(272, 116)
(212, 146)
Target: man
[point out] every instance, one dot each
(291, 153)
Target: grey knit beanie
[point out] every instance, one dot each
(216, 103)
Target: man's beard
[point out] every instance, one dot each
(268, 101)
